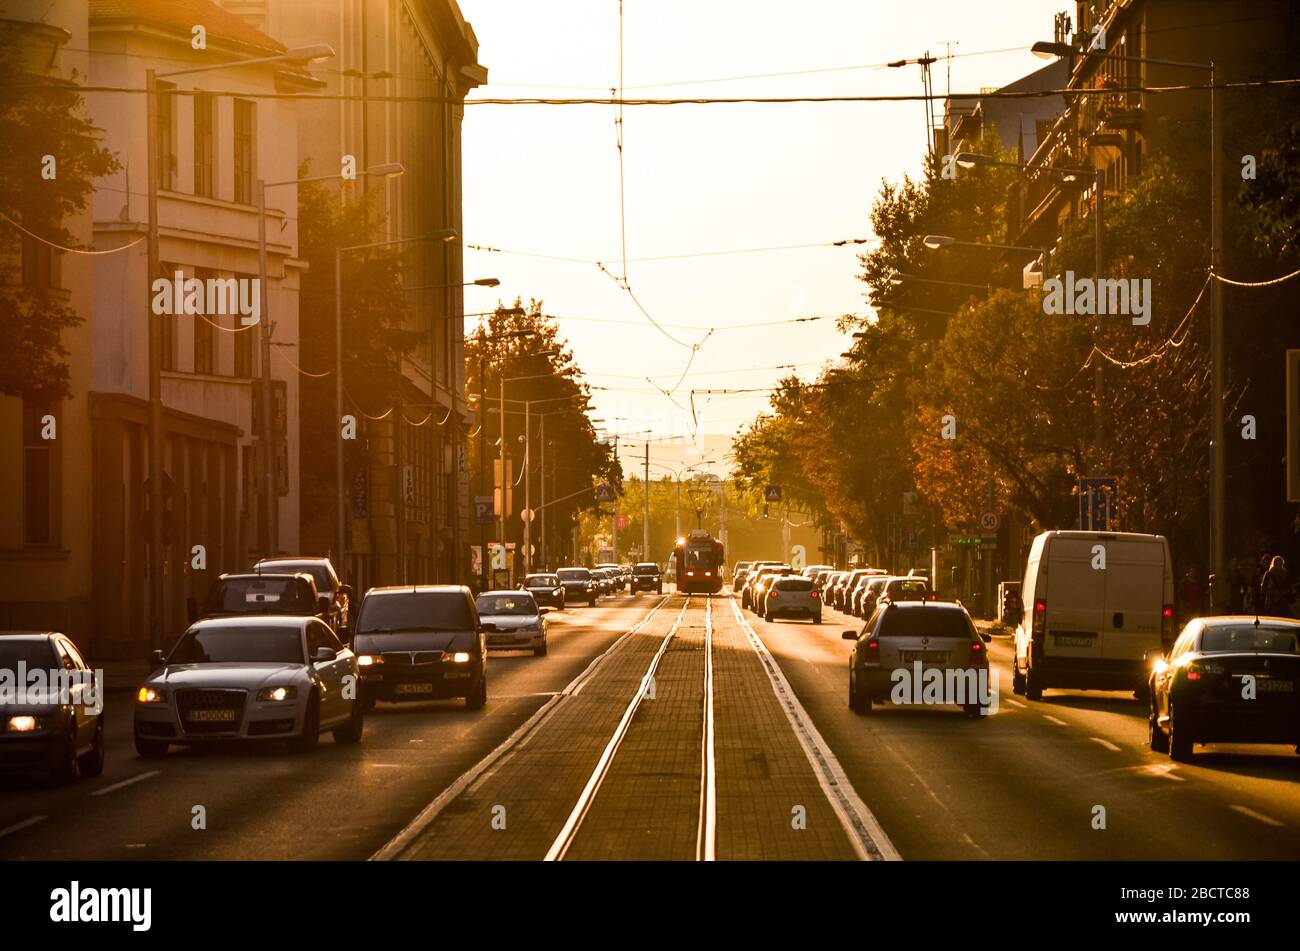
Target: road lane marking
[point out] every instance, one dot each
(1259, 816)
(126, 782)
(1163, 771)
(1106, 743)
(398, 844)
(1057, 720)
(1013, 703)
(19, 826)
(706, 839)
(864, 832)
(569, 831)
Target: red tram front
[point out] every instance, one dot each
(698, 559)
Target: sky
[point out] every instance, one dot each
(698, 179)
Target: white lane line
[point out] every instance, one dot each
(706, 839)
(1163, 771)
(1259, 816)
(864, 831)
(1057, 720)
(126, 782)
(569, 831)
(1011, 703)
(1106, 743)
(19, 826)
(395, 846)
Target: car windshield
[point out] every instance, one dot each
(33, 654)
(1219, 638)
(541, 581)
(925, 622)
(520, 604)
(266, 594)
(701, 557)
(239, 645)
(646, 570)
(574, 574)
(320, 573)
(793, 584)
(914, 590)
(414, 611)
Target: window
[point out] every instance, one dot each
(203, 142)
(40, 264)
(166, 156)
(205, 334)
(244, 339)
(38, 477)
(243, 140)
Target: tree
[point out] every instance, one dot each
(42, 120)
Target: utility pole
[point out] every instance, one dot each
(501, 516)
(270, 497)
(614, 518)
(542, 507)
(155, 373)
(1218, 357)
(482, 454)
(528, 483)
(645, 527)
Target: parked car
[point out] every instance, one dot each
(613, 574)
(57, 729)
(261, 677)
(421, 642)
(738, 578)
(752, 581)
(898, 636)
(792, 596)
(812, 571)
(821, 578)
(278, 593)
(327, 584)
(869, 594)
(831, 591)
(909, 588)
(646, 576)
(579, 584)
(763, 586)
(856, 577)
(512, 620)
(1098, 608)
(1229, 679)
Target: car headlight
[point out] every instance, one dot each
(24, 724)
(369, 660)
(151, 695)
(459, 657)
(557, 592)
(277, 694)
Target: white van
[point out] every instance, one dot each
(1098, 608)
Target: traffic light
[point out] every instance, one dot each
(764, 511)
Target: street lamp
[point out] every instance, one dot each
(304, 55)
(1218, 361)
(340, 528)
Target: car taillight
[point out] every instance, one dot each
(1167, 626)
(771, 594)
(1193, 672)
(814, 593)
(1040, 619)
(976, 649)
(871, 651)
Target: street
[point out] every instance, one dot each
(709, 763)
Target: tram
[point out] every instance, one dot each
(698, 564)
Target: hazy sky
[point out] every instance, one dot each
(703, 178)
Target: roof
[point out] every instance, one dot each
(1222, 619)
(419, 589)
(511, 591)
(917, 605)
(285, 559)
(29, 635)
(254, 620)
(181, 16)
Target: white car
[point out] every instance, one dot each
(250, 678)
(512, 621)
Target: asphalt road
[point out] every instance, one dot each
(266, 802)
(1025, 782)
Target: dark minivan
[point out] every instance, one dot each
(420, 642)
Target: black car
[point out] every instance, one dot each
(57, 726)
(646, 576)
(1231, 679)
(545, 589)
(579, 585)
(327, 581)
(265, 593)
(420, 642)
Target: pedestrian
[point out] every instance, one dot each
(1275, 589)
(1190, 594)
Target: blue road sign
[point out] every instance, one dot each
(1098, 504)
(483, 509)
(772, 493)
(604, 493)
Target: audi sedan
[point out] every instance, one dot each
(512, 621)
(579, 585)
(250, 678)
(1229, 679)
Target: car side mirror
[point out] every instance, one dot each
(542, 612)
(850, 635)
(985, 637)
(156, 660)
(324, 655)
(323, 603)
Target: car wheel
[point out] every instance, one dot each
(971, 710)
(540, 651)
(1017, 679)
(592, 603)
(478, 695)
(92, 763)
(65, 771)
(150, 749)
(767, 616)
(1180, 741)
(863, 707)
(356, 725)
(1033, 684)
(367, 704)
(816, 618)
(309, 738)
(1157, 739)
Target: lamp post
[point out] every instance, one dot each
(340, 528)
(1218, 462)
(305, 55)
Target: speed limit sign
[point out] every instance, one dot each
(989, 522)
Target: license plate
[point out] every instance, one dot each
(925, 657)
(1268, 685)
(1065, 640)
(214, 715)
(414, 688)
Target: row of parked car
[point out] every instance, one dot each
(805, 592)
